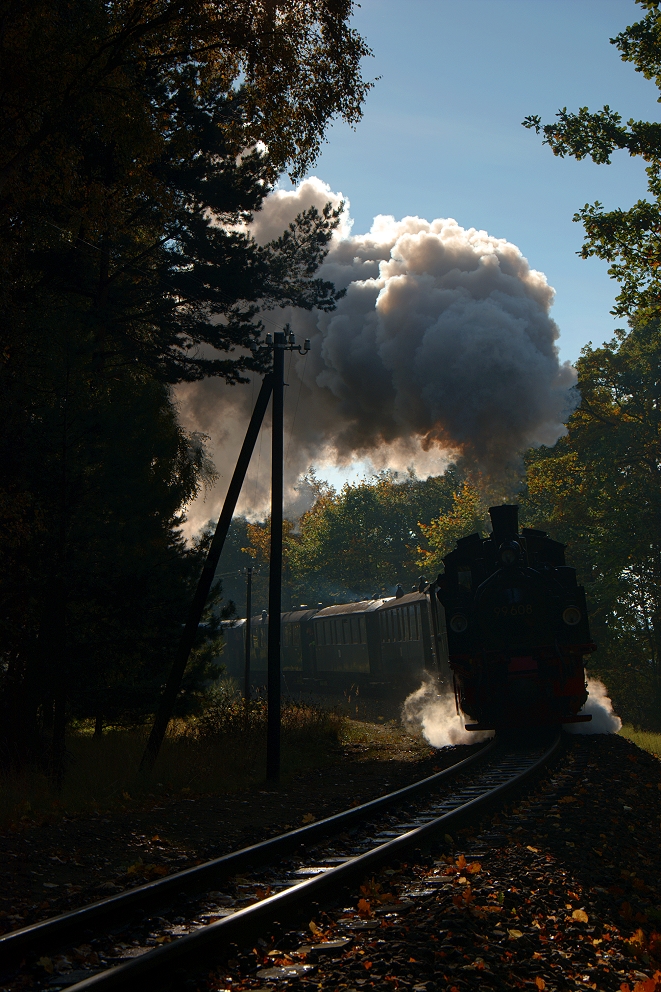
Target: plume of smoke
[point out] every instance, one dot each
(443, 347)
(431, 711)
(604, 719)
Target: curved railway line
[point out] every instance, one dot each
(234, 899)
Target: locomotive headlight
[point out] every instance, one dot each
(571, 616)
(509, 552)
(458, 623)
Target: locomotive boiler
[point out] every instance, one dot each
(517, 628)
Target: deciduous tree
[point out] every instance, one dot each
(599, 490)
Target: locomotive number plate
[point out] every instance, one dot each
(513, 611)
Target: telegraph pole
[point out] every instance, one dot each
(282, 341)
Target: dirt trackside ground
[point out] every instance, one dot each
(55, 863)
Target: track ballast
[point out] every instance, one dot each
(233, 899)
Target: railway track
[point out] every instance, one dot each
(234, 899)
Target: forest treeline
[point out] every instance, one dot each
(135, 137)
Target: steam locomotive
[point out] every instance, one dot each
(506, 625)
(517, 628)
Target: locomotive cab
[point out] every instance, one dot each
(517, 628)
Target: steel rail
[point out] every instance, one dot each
(58, 929)
(248, 923)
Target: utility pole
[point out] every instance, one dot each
(246, 691)
(282, 341)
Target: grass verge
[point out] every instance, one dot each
(645, 739)
(223, 751)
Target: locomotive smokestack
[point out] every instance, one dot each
(505, 522)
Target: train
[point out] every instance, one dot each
(380, 647)
(517, 628)
(505, 627)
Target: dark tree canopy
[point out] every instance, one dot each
(137, 139)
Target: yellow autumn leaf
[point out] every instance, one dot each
(580, 915)
(308, 818)
(535, 850)
(313, 927)
(474, 867)
(540, 983)
(515, 934)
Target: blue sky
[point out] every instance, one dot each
(441, 134)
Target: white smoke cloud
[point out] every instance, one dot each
(604, 719)
(443, 346)
(432, 711)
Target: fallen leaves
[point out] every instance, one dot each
(463, 898)
(308, 818)
(147, 870)
(364, 907)
(580, 915)
(652, 984)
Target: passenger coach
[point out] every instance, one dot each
(375, 642)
